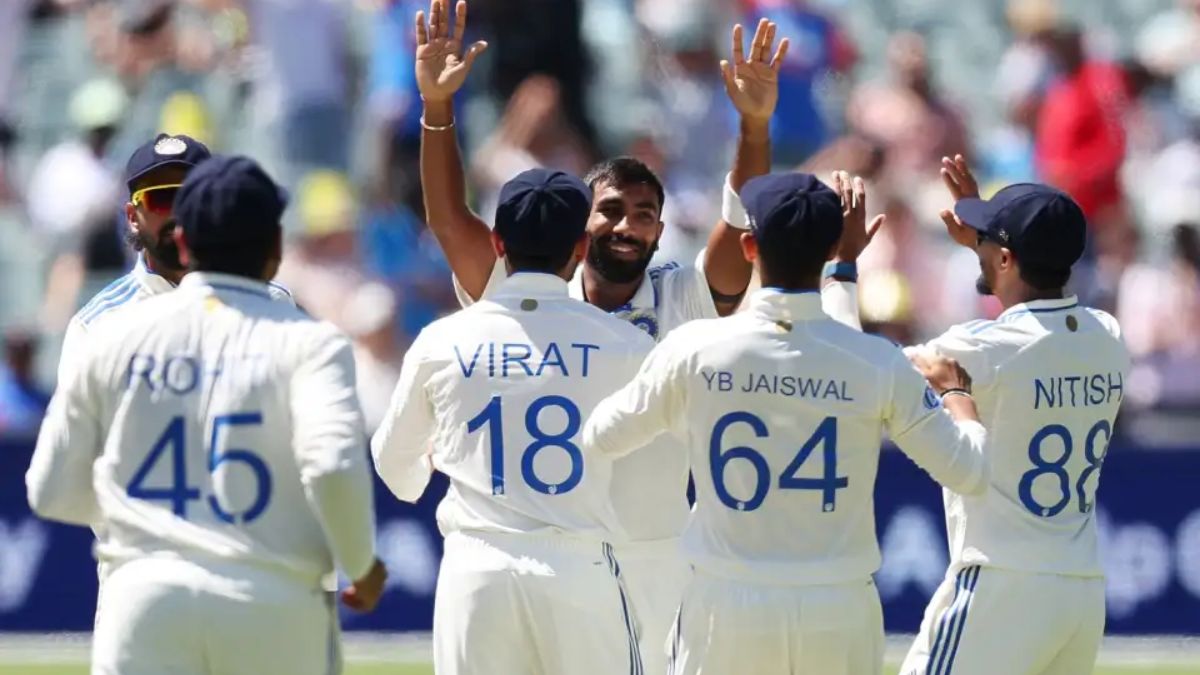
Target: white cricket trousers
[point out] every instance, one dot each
(655, 575)
(988, 621)
(728, 627)
(531, 604)
(166, 616)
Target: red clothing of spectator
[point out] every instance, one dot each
(1080, 141)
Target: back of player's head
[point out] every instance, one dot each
(230, 210)
(624, 171)
(541, 217)
(796, 221)
(1043, 227)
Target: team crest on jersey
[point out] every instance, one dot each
(931, 399)
(170, 146)
(646, 319)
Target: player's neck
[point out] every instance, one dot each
(605, 294)
(1030, 294)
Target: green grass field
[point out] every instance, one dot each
(392, 669)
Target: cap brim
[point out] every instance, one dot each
(975, 213)
(166, 162)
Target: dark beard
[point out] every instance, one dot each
(614, 269)
(162, 250)
(982, 287)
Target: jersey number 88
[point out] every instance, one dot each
(1058, 468)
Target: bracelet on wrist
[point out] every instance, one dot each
(957, 391)
(428, 127)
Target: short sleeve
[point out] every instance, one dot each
(499, 274)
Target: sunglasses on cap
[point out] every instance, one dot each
(158, 199)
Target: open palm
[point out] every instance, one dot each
(753, 82)
(441, 66)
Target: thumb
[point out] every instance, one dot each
(474, 52)
(873, 228)
(727, 76)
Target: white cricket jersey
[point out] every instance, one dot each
(137, 285)
(212, 423)
(783, 411)
(496, 395)
(1049, 377)
(650, 488)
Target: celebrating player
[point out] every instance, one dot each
(216, 436)
(649, 488)
(153, 175)
(494, 397)
(1049, 377)
(782, 410)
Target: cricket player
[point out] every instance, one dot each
(1024, 593)
(215, 435)
(494, 396)
(783, 410)
(153, 175)
(649, 488)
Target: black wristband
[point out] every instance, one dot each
(955, 390)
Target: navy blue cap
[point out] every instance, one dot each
(228, 200)
(543, 212)
(795, 205)
(164, 150)
(1043, 227)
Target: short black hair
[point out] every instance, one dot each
(793, 257)
(624, 171)
(1043, 280)
(246, 259)
(538, 263)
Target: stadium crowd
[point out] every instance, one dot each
(1098, 97)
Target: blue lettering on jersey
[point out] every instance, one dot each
(780, 385)
(1078, 391)
(520, 359)
(183, 374)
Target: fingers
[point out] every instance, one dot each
(460, 19)
(765, 52)
(436, 19)
(873, 228)
(739, 49)
(859, 192)
(422, 29)
(728, 77)
(473, 53)
(836, 177)
(951, 183)
(757, 44)
(780, 55)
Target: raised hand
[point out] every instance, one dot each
(753, 83)
(441, 66)
(856, 232)
(958, 179)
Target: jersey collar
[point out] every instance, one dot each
(226, 282)
(533, 285)
(1039, 307)
(152, 282)
(643, 297)
(775, 304)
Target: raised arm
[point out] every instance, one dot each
(442, 69)
(752, 84)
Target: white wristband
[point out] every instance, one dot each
(732, 210)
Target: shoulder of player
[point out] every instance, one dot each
(1108, 321)
(866, 347)
(119, 293)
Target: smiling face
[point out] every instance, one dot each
(150, 224)
(624, 229)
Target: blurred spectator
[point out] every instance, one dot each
(1080, 133)
(912, 120)
(398, 248)
(1170, 41)
(323, 266)
(534, 131)
(22, 402)
(820, 51)
(72, 184)
(14, 16)
(371, 323)
(1159, 311)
